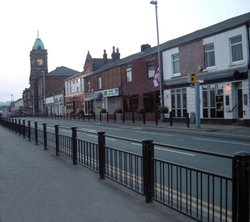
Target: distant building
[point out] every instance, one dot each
(42, 83)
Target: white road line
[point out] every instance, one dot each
(174, 151)
(111, 139)
(151, 133)
(221, 141)
(167, 150)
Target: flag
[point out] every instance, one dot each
(157, 78)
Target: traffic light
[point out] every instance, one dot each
(192, 78)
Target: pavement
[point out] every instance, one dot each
(38, 186)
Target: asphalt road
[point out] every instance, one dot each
(199, 140)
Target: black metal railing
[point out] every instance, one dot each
(200, 194)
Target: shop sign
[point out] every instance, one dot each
(111, 92)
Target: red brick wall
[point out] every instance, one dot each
(191, 58)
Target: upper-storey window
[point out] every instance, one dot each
(151, 69)
(209, 55)
(176, 63)
(129, 74)
(99, 82)
(236, 48)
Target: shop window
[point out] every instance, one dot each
(179, 102)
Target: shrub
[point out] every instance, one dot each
(163, 109)
(118, 110)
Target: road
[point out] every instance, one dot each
(215, 142)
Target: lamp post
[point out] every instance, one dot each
(155, 3)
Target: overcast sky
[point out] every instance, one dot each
(69, 29)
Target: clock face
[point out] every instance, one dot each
(39, 62)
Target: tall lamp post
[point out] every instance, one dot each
(155, 3)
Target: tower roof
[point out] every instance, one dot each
(38, 45)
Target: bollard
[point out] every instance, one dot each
(115, 117)
(241, 187)
(101, 147)
(45, 136)
(171, 118)
(19, 127)
(123, 117)
(187, 119)
(148, 169)
(107, 117)
(100, 117)
(144, 118)
(23, 128)
(29, 134)
(57, 139)
(156, 118)
(133, 117)
(36, 133)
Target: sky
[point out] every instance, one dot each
(69, 29)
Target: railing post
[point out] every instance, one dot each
(29, 134)
(241, 187)
(148, 169)
(36, 133)
(45, 136)
(74, 145)
(57, 139)
(23, 128)
(101, 147)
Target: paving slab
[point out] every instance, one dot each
(37, 186)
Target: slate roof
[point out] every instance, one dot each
(62, 72)
(194, 36)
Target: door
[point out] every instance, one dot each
(240, 104)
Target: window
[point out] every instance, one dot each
(236, 48)
(151, 70)
(176, 63)
(179, 102)
(99, 82)
(129, 74)
(209, 55)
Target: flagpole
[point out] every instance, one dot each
(158, 51)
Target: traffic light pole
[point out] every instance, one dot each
(197, 105)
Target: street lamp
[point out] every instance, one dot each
(155, 3)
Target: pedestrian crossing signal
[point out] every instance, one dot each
(192, 78)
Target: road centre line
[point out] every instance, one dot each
(167, 150)
(174, 151)
(221, 141)
(151, 133)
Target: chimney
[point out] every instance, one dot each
(113, 54)
(117, 54)
(105, 57)
(144, 47)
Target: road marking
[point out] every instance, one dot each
(111, 139)
(91, 135)
(151, 133)
(174, 151)
(167, 150)
(221, 141)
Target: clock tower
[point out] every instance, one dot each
(38, 74)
